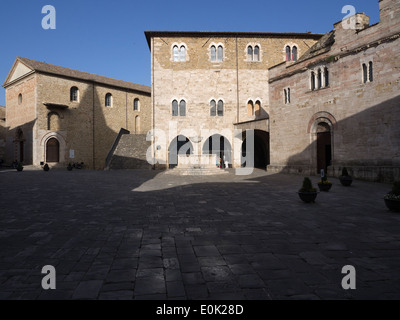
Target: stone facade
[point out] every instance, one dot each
(236, 79)
(40, 108)
(357, 109)
(2, 132)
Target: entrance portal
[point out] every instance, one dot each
(324, 147)
(261, 149)
(53, 150)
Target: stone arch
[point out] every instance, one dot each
(53, 121)
(62, 145)
(321, 128)
(220, 146)
(180, 145)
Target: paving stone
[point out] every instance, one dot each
(206, 251)
(87, 290)
(175, 289)
(149, 286)
(108, 241)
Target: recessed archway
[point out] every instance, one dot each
(181, 145)
(324, 147)
(220, 146)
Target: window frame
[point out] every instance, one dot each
(109, 100)
(74, 94)
(136, 104)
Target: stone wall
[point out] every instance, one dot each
(198, 80)
(363, 117)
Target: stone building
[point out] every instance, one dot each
(57, 115)
(338, 105)
(207, 84)
(2, 133)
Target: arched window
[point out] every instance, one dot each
(286, 97)
(213, 53)
(257, 109)
(256, 53)
(182, 108)
(326, 75)
(137, 124)
(213, 108)
(250, 53)
(109, 100)
(288, 53)
(294, 53)
(74, 94)
(319, 79)
(312, 80)
(250, 108)
(220, 109)
(136, 104)
(182, 54)
(175, 108)
(220, 53)
(371, 72)
(365, 73)
(176, 53)
(20, 98)
(53, 121)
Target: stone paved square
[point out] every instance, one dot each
(142, 234)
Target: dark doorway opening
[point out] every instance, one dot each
(180, 145)
(324, 147)
(261, 150)
(53, 150)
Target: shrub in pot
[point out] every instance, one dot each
(345, 178)
(392, 198)
(307, 193)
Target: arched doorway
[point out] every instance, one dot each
(220, 146)
(52, 150)
(324, 147)
(261, 150)
(19, 146)
(180, 145)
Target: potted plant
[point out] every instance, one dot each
(392, 198)
(345, 178)
(307, 193)
(20, 167)
(324, 184)
(69, 168)
(46, 167)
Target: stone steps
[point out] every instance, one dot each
(197, 171)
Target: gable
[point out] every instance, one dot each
(19, 71)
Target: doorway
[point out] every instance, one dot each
(324, 147)
(53, 150)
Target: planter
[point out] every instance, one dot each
(324, 186)
(308, 196)
(20, 169)
(69, 168)
(393, 205)
(346, 180)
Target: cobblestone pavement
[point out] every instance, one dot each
(151, 235)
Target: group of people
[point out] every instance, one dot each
(221, 163)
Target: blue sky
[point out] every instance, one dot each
(107, 37)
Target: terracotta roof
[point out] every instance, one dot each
(47, 68)
(151, 34)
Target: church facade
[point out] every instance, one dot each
(57, 115)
